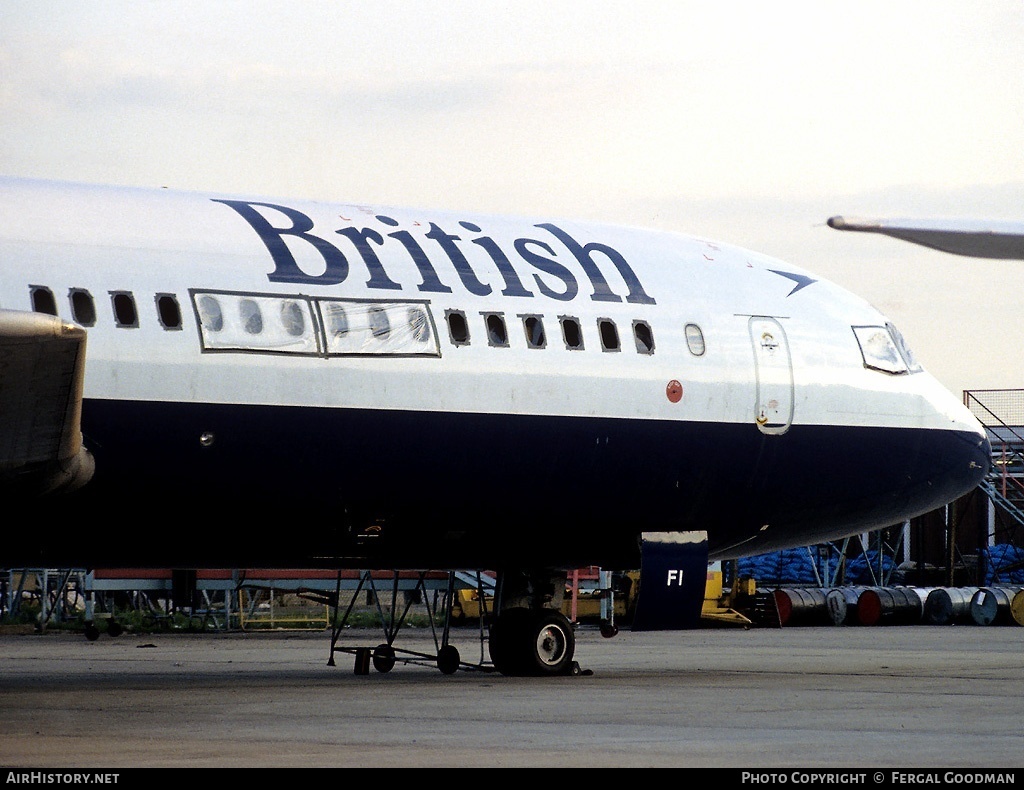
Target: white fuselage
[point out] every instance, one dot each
(282, 308)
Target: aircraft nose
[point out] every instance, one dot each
(970, 454)
(964, 453)
(982, 460)
(950, 462)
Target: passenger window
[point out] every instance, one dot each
(379, 323)
(571, 333)
(496, 333)
(292, 319)
(534, 328)
(252, 318)
(643, 336)
(125, 314)
(210, 314)
(337, 319)
(418, 324)
(458, 328)
(695, 340)
(168, 311)
(609, 334)
(83, 308)
(42, 300)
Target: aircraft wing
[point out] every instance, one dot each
(42, 369)
(977, 239)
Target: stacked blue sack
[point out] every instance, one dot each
(1004, 564)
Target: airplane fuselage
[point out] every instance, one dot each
(282, 383)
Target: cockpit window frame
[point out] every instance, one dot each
(879, 349)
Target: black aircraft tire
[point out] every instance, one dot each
(507, 637)
(448, 659)
(552, 644)
(608, 630)
(384, 658)
(524, 642)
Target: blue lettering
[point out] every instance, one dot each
(602, 293)
(466, 273)
(538, 254)
(378, 277)
(430, 280)
(513, 285)
(286, 270)
(551, 267)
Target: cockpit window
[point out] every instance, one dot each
(880, 350)
(908, 356)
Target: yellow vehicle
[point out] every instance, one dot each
(581, 604)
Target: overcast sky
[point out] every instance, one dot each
(747, 122)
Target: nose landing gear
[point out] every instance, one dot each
(533, 642)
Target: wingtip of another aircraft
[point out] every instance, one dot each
(852, 223)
